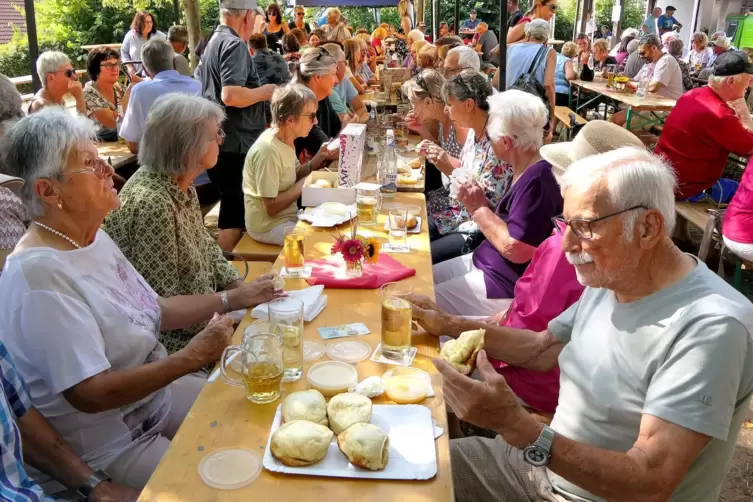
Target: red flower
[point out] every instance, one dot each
(352, 250)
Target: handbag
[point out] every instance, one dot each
(528, 83)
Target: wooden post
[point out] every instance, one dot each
(31, 33)
(576, 19)
(435, 20)
(502, 70)
(419, 13)
(457, 17)
(193, 25)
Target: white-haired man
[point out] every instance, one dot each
(58, 79)
(486, 42)
(229, 77)
(709, 123)
(459, 59)
(656, 360)
(158, 58)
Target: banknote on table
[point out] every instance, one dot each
(356, 328)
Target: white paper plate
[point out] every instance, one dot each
(229, 468)
(322, 219)
(412, 453)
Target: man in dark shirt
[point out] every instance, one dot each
(299, 21)
(271, 66)
(229, 77)
(514, 13)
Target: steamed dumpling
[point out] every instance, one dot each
(461, 352)
(300, 442)
(305, 405)
(365, 445)
(347, 409)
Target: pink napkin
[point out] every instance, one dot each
(331, 274)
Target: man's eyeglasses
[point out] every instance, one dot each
(96, 166)
(582, 228)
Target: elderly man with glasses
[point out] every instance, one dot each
(58, 79)
(656, 360)
(459, 59)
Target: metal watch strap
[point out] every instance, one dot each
(225, 302)
(97, 477)
(546, 438)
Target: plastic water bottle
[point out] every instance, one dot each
(591, 61)
(388, 167)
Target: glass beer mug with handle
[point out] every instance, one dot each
(260, 367)
(368, 205)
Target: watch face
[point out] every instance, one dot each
(536, 456)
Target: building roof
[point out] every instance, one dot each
(10, 17)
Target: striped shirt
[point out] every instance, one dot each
(15, 484)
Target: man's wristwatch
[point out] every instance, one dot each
(84, 491)
(538, 453)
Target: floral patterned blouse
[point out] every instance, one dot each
(491, 174)
(95, 100)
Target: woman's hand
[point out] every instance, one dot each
(472, 197)
(413, 123)
(207, 346)
(250, 294)
(433, 152)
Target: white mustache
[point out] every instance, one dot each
(582, 258)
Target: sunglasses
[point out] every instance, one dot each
(553, 7)
(299, 13)
(310, 116)
(70, 73)
(459, 80)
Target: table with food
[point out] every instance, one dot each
(614, 87)
(330, 390)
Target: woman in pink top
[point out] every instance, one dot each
(737, 227)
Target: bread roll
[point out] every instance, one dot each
(300, 442)
(347, 409)
(365, 445)
(412, 221)
(461, 352)
(415, 163)
(323, 184)
(404, 179)
(305, 405)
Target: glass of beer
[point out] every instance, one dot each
(261, 367)
(398, 224)
(401, 136)
(293, 251)
(367, 206)
(396, 320)
(286, 319)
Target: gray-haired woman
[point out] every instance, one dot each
(272, 176)
(81, 323)
(159, 226)
(317, 70)
(451, 228)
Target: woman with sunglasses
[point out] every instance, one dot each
(300, 21)
(275, 28)
(85, 321)
(272, 176)
(451, 229)
(541, 9)
(58, 79)
(103, 93)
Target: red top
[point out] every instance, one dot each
(699, 134)
(524, 19)
(375, 42)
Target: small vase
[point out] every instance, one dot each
(354, 269)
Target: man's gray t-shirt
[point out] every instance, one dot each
(488, 42)
(226, 62)
(683, 354)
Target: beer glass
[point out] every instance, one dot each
(286, 320)
(293, 251)
(398, 223)
(261, 367)
(368, 203)
(401, 136)
(396, 320)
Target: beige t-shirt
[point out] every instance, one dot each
(270, 168)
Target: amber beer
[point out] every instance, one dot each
(263, 382)
(610, 79)
(368, 210)
(293, 251)
(396, 321)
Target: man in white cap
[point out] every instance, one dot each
(229, 78)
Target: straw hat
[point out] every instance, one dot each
(10, 181)
(597, 136)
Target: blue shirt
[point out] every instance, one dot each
(561, 84)
(346, 90)
(650, 24)
(665, 23)
(519, 59)
(15, 484)
(471, 24)
(143, 96)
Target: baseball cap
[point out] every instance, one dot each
(473, 11)
(669, 7)
(238, 4)
(732, 63)
(10, 181)
(597, 136)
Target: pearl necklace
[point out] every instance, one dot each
(59, 234)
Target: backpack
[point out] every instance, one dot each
(528, 83)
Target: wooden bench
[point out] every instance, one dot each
(256, 251)
(703, 215)
(568, 119)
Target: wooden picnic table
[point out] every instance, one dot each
(116, 153)
(222, 417)
(635, 104)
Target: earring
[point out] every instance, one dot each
(60, 203)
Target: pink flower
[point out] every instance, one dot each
(352, 250)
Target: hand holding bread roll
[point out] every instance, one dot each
(461, 352)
